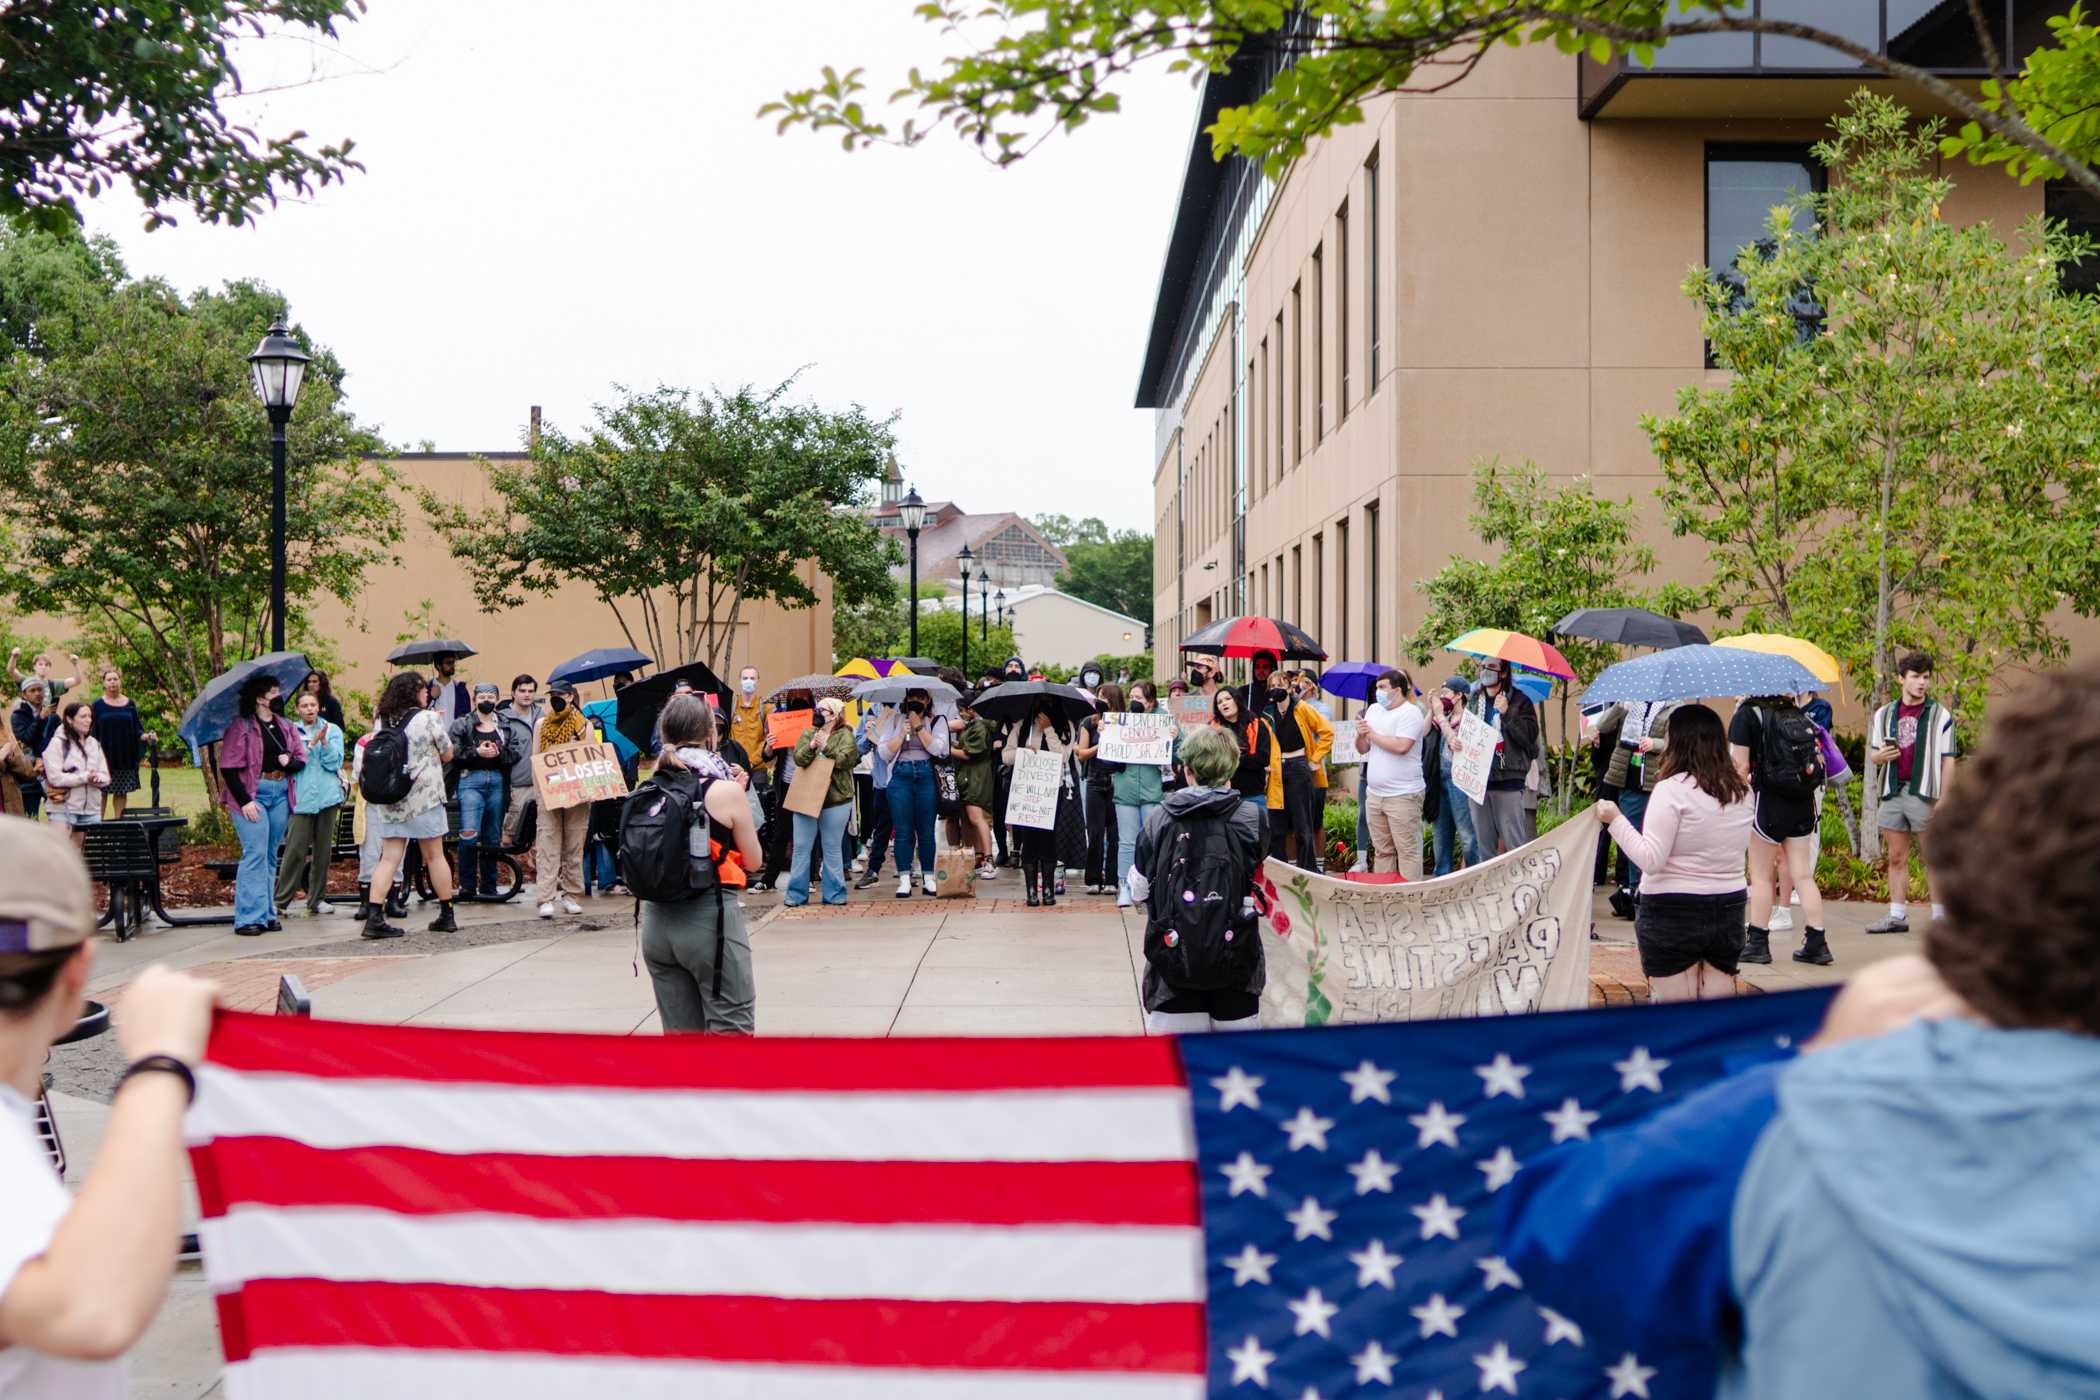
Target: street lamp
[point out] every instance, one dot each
(999, 599)
(912, 511)
(984, 603)
(277, 369)
(965, 560)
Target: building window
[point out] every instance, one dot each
(1341, 310)
(1341, 586)
(1298, 367)
(1298, 584)
(1371, 274)
(2080, 209)
(1319, 343)
(1261, 401)
(1319, 605)
(1280, 377)
(1744, 183)
(1372, 579)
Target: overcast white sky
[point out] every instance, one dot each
(560, 198)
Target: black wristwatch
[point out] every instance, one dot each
(160, 1064)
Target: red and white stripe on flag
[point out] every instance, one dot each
(406, 1212)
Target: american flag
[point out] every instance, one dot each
(405, 1212)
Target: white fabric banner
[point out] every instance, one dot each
(1032, 801)
(1506, 937)
(1135, 738)
(1473, 761)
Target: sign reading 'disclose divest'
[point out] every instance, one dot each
(1135, 738)
(574, 774)
(1502, 938)
(1033, 798)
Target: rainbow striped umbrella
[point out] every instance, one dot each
(1515, 648)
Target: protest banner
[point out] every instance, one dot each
(574, 774)
(1474, 760)
(1502, 938)
(1191, 711)
(1033, 798)
(784, 727)
(1344, 753)
(1133, 738)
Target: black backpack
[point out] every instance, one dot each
(1789, 755)
(1196, 936)
(384, 779)
(657, 859)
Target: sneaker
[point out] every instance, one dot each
(1894, 923)
(933, 886)
(250, 931)
(324, 907)
(987, 872)
(570, 906)
(904, 885)
(1362, 866)
(1122, 899)
(868, 879)
(1781, 918)
(1794, 898)
(547, 910)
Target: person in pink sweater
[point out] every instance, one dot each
(1690, 848)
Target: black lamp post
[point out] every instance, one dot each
(912, 512)
(984, 604)
(999, 599)
(965, 560)
(277, 369)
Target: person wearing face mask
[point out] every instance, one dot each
(486, 752)
(1298, 730)
(1316, 717)
(1444, 807)
(1096, 790)
(559, 852)
(1503, 822)
(747, 724)
(1391, 737)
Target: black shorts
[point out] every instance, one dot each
(1780, 816)
(1680, 931)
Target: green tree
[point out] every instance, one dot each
(133, 463)
(881, 627)
(1065, 531)
(1111, 569)
(50, 283)
(1561, 549)
(1019, 70)
(93, 96)
(678, 508)
(1916, 467)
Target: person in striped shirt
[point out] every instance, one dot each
(1912, 740)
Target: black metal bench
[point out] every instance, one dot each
(121, 856)
(343, 847)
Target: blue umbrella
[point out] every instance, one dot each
(598, 663)
(1697, 672)
(1352, 680)
(210, 715)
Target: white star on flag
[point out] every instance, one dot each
(1309, 1220)
(1570, 1120)
(1436, 1316)
(1438, 1217)
(1249, 1265)
(1498, 1273)
(1368, 1081)
(1373, 1173)
(1236, 1087)
(1308, 1129)
(1629, 1377)
(1250, 1363)
(1498, 1169)
(1374, 1265)
(1503, 1076)
(1560, 1329)
(1374, 1362)
(1313, 1313)
(1246, 1174)
(1640, 1070)
(1436, 1125)
(1498, 1369)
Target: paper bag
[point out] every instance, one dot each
(811, 786)
(955, 874)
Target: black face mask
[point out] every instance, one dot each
(1277, 697)
(487, 707)
(560, 703)
(1138, 707)
(1197, 675)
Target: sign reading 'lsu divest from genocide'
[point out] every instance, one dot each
(1502, 938)
(574, 774)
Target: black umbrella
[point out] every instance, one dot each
(1627, 627)
(641, 703)
(1018, 700)
(211, 714)
(424, 653)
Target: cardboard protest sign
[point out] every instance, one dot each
(1192, 710)
(1033, 798)
(1502, 938)
(1133, 738)
(1473, 763)
(1344, 753)
(574, 774)
(784, 727)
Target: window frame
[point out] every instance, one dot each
(1744, 153)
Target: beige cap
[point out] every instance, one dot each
(46, 900)
(831, 705)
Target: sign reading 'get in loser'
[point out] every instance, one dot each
(574, 774)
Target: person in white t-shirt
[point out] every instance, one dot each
(80, 1278)
(1391, 734)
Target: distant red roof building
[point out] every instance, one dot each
(1013, 550)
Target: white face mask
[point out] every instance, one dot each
(749, 687)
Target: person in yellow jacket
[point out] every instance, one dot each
(1319, 746)
(1293, 823)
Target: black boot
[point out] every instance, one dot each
(376, 925)
(443, 922)
(1757, 945)
(1051, 872)
(1814, 949)
(1622, 903)
(469, 874)
(1032, 877)
(397, 902)
(364, 899)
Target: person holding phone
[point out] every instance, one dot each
(484, 752)
(831, 738)
(909, 739)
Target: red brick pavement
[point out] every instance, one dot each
(251, 983)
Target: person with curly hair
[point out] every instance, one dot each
(1907, 1209)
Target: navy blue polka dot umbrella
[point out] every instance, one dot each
(1700, 672)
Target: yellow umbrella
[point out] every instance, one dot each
(1820, 663)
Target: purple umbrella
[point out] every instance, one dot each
(1352, 680)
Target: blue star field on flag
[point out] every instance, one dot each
(1350, 1180)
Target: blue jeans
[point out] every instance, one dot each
(481, 803)
(255, 880)
(1363, 812)
(1454, 817)
(912, 801)
(1633, 805)
(1130, 820)
(831, 829)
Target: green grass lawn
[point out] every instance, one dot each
(181, 789)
